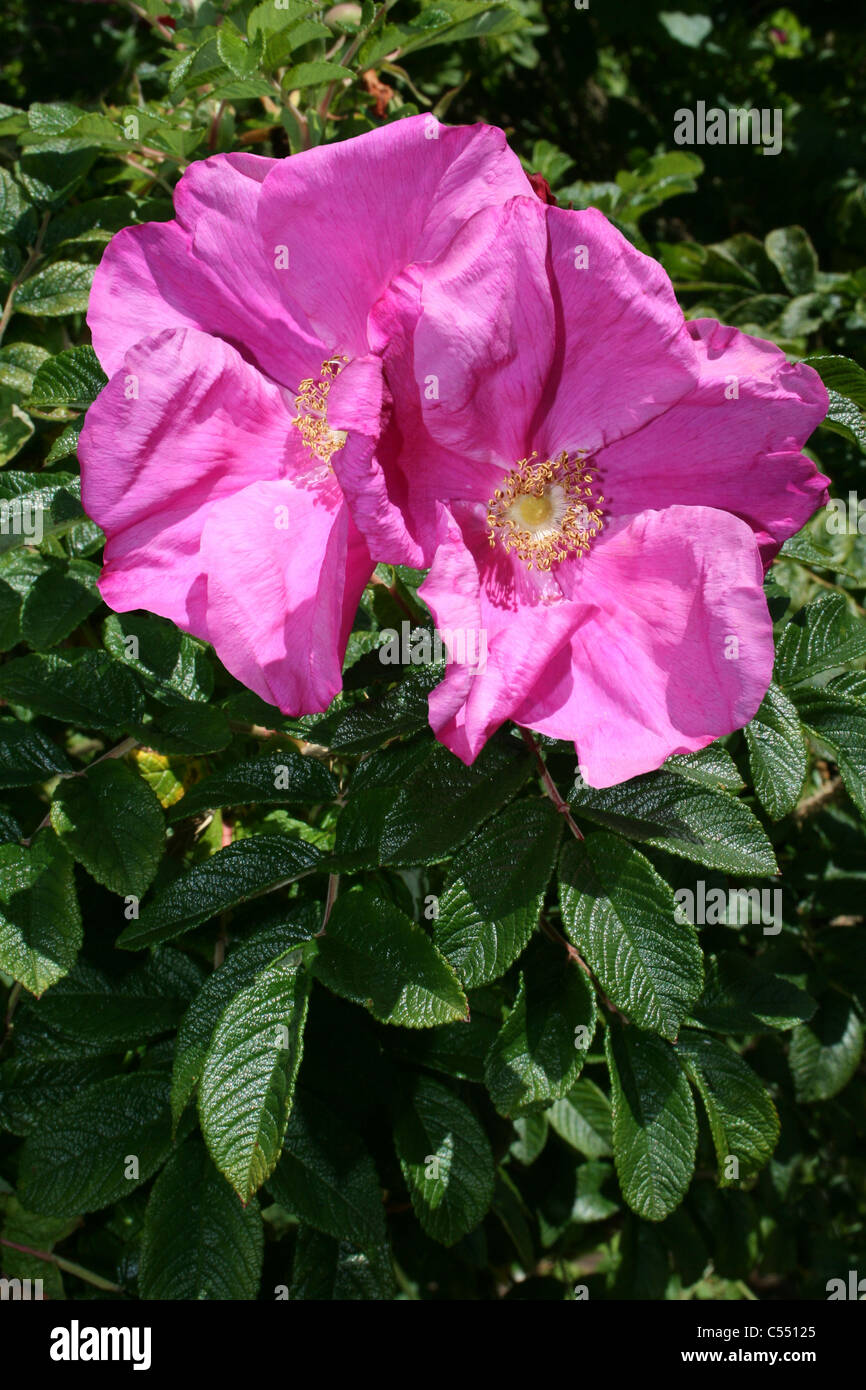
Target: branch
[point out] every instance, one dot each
(550, 786)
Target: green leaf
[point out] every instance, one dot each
(493, 899)
(175, 667)
(32, 1089)
(777, 753)
(314, 75)
(826, 1052)
(241, 871)
(794, 256)
(336, 1270)
(446, 1161)
(823, 634)
(59, 602)
(655, 1128)
(374, 955)
(72, 379)
(687, 29)
(583, 1119)
(190, 729)
(620, 915)
(842, 375)
(198, 1240)
(242, 58)
(38, 512)
(17, 216)
(674, 813)
(540, 1049)
(836, 714)
(90, 1013)
(240, 969)
(327, 1178)
(249, 1073)
(98, 1146)
(63, 288)
(83, 687)
(742, 997)
(112, 823)
(28, 755)
(278, 778)
(742, 1116)
(40, 923)
(25, 1229)
(416, 803)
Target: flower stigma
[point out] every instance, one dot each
(546, 512)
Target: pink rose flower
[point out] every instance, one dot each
(236, 340)
(597, 484)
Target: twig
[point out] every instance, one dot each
(550, 786)
(32, 259)
(120, 751)
(68, 1266)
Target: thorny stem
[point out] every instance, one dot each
(818, 800)
(550, 930)
(550, 786)
(68, 1266)
(120, 751)
(345, 60)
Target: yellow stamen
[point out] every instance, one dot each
(546, 512)
(311, 404)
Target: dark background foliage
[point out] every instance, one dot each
(577, 1131)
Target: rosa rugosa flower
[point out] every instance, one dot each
(597, 483)
(236, 341)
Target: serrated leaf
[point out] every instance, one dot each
(416, 803)
(198, 1240)
(31, 1088)
(83, 687)
(676, 814)
(620, 915)
(241, 871)
(240, 969)
(825, 1053)
(329, 1269)
(742, 997)
(823, 634)
(836, 714)
(278, 778)
(376, 956)
(28, 755)
(38, 511)
(72, 379)
(62, 288)
(90, 1013)
(583, 1119)
(249, 1072)
(741, 1113)
(327, 1178)
(40, 923)
(446, 1161)
(655, 1127)
(540, 1049)
(189, 729)
(777, 753)
(58, 603)
(493, 899)
(174, 666)
(98, 1146)
(112, 823)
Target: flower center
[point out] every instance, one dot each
(311, 403)
(546, 512)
